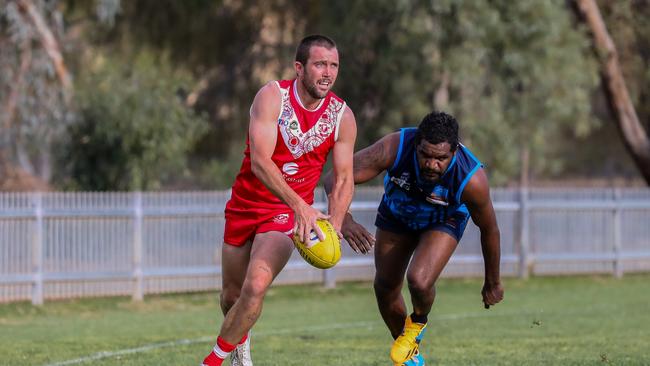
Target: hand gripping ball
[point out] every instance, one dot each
(320, 254)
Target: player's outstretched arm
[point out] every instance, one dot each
(342, 187)
(367, 164)
(263, 136)
(477, 198)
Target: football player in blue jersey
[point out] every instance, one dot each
(433, 184)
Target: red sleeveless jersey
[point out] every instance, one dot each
(304, 139)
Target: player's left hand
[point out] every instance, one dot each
(359, 239)
(305, 217)
(492, 293)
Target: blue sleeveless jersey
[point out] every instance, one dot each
(419, 205)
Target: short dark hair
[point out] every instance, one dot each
(438, 127)
(302, 52)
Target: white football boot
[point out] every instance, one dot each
(241, 355)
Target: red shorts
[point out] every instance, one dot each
(243, 224)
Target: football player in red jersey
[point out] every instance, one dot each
(294, 124)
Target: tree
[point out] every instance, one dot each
(516, 74)
(34, 87)
(132, 132)
(634, 135)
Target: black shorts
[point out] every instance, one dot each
(454, 225)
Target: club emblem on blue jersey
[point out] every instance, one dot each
(438, 196)
(402, 181)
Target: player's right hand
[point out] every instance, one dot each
(305, 218)
(359, 239)
(492, 293)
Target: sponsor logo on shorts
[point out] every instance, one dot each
(281, 219)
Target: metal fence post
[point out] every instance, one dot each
(329, 278)
(329, 275)
(37, 250)
(618, 234)
(524, 234)
(138, 290)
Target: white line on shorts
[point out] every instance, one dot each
(182, 342)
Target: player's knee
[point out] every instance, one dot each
(420, 285)
(229, 296)
(383, 287)
(255, 288)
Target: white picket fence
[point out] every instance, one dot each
(64, 245)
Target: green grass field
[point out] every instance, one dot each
(542, 321)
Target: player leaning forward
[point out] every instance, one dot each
(294, 124)
(433, 184)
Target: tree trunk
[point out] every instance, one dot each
(16, 87)
(50, 44)
(441, 97)
(9, 111)
(635, 137)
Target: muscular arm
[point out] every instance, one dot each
(263, 134)
(477, 198)
(367, 164)
(371, 161)
(340, 193)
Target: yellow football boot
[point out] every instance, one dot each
(406, 345)
(416, 360)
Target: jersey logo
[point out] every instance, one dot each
(290, 168)
(438, 196)
(299, 142)
(402, 181)
(435, 200)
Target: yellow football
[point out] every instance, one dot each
(320, 254)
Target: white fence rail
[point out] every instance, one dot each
(63, 245)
